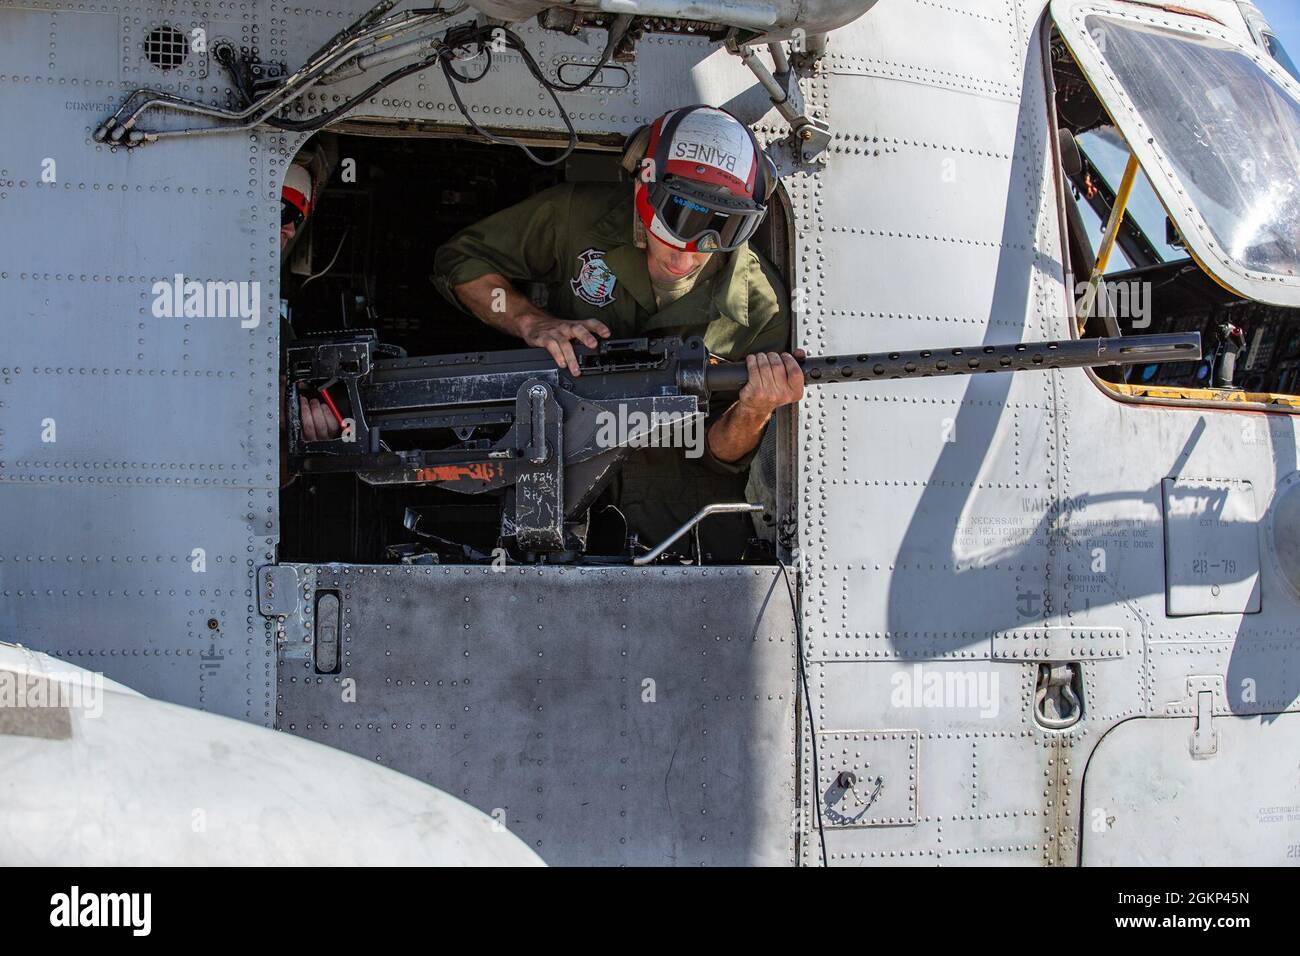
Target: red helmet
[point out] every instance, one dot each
(297, 191)
(703, 183)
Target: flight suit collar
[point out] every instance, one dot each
(628, 263)
(612, 232)
(725, 294)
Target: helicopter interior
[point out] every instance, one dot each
(363, 260)
(1151, 267)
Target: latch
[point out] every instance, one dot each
(1058, 699)
(326, 648)
(1202, 696)
(849, 799)
(1205, 739)
(869, 778)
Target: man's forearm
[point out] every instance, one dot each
(494, 301)
(736, 433)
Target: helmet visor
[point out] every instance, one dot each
(713, 223)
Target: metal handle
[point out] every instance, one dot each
(724, 508)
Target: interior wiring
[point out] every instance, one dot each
(483, 39)
(330, 265)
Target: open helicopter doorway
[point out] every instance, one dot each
(363, 259)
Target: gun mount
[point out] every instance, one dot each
(514, 421)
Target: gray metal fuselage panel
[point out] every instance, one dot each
(638, 716)
(943, 524)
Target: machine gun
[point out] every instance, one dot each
(514, 421)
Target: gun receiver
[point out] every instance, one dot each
(514, 421)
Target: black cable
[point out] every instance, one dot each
(617, 31)
(812, 727)
(316, 122)
(232, 66)
(456, 38)
(464, 36)
(455, 73)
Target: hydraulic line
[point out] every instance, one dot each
(357, 46)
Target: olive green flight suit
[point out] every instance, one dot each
(578, 240)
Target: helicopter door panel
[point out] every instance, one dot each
(1215, 122)
(615, 715)
(1210, 789)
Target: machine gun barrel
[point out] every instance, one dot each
(1016, 357)
(514, 422)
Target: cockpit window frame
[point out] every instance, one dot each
(1071, 18)
(1278, 51)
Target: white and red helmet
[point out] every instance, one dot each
(703, 182)
(296, 195)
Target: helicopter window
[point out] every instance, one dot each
(1278, 52)
(1214, 121)
(1104, 151)
(1233, 137)
(1152, 283)
(363, 260)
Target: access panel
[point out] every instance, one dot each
(1208, 790)
(1211, 547)
(605, 716)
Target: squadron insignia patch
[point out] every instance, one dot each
(594, 282)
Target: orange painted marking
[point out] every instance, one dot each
(479, 471)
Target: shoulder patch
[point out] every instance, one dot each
(594, 282)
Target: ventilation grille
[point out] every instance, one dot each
(166, 47)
